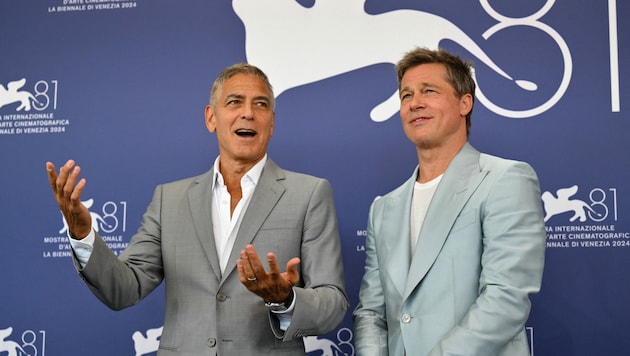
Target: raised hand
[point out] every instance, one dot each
(273, 286)
(68, 195)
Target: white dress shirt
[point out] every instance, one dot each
(226, 225)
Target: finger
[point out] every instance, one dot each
(63, 176)
(273, 264)
(52, 176)
(65, 169)
(246, 265)
(292, 270)
(257, 268)
(242, 275)
(73, 175)
(75, 198)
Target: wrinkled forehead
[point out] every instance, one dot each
(242, 85)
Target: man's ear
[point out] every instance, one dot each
(465, 104)
(211, 123)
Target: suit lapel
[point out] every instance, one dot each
(396, 227)
(200, 198)
(460, 180)
(266, 194)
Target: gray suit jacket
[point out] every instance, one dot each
(479, 257)
(290, 214)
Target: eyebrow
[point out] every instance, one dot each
(241, 97)
(263, 97)
(421, 85)
(233, 96)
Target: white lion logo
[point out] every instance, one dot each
(11, 348)
(13, 95)
(327, 347)
(150, 343)
(554, 206)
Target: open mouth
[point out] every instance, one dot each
(245, 133)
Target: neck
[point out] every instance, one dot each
(434, 162)
(233, 172)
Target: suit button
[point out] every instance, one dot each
(212, 342)
(406, 318)
(221, 297)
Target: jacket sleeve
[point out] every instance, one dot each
(370, 323)
(321, 303)
(512, 261)
(122, 281)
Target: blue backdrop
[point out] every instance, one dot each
(120, 86)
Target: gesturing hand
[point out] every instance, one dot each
(68, 195)
(273, 286)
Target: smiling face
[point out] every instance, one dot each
(243, 119)
(432, 115)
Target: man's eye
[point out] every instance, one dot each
(233, 102)
(405, 96)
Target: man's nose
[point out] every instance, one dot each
(248, 112)
(416, 103)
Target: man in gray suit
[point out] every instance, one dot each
(198, 235)
(454, 253)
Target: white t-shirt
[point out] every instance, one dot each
(422, 196)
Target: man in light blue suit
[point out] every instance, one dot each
(453, 254)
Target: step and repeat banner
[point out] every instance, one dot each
(120, 86)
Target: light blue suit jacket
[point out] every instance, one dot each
(479, 257)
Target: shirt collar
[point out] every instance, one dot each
(252, 175)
